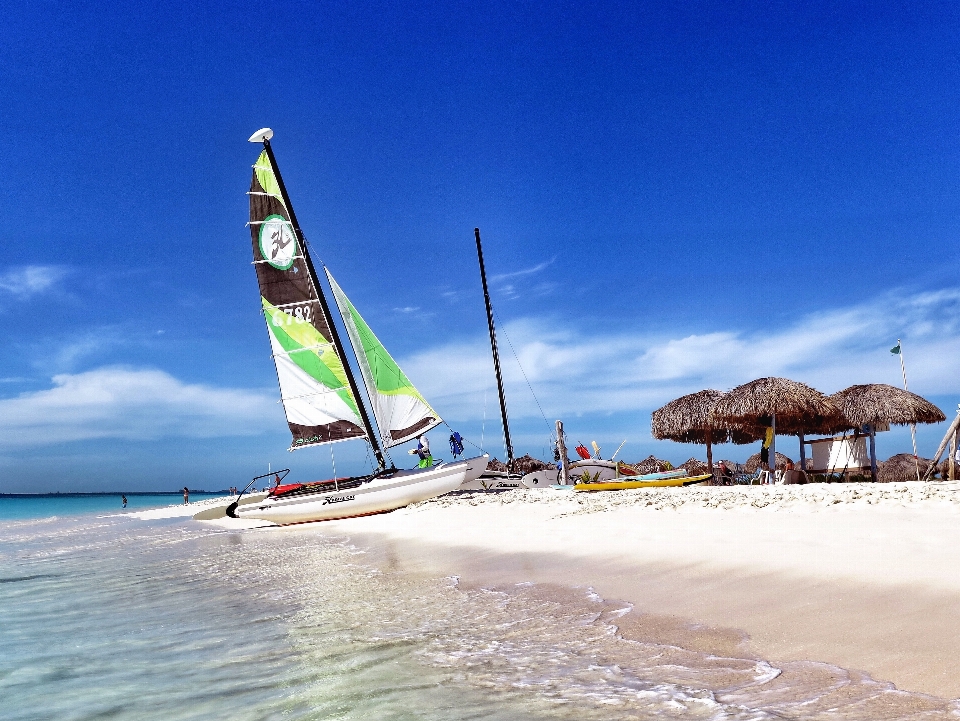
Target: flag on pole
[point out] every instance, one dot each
(896, 349)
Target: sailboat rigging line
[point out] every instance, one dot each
(529, 385)
(462, 438)
(325, 309)
(483, 424)
(333, 462)
(496, 356)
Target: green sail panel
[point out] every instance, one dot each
(401, 411)
(316, 396)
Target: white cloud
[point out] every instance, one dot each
(132, 405)
(519, 273)
(508, 286)
(29, 280)
(575, 373)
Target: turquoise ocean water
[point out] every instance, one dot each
(103, 615)
(44, 505)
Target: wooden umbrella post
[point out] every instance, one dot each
(873, 452)
(562, 451)
(803, 453)
(773, 448)
(709, 437)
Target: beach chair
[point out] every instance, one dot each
(749, 479)
(722, 479)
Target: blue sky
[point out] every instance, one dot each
(671, 196)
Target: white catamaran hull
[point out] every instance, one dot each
(384, 493)
(491, 481)
(607, 470)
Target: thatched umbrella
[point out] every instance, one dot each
(875, 404)
(695, 467)
(652, 464)
(753, 462)
(528, 464)
(787, 406)
(690, 419)
(901, 467)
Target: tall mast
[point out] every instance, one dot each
(496, 355)
(325, 309)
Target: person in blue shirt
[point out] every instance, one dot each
(423, 452)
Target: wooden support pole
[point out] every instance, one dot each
(953, 455)
(951, 431)
(773, 449)
(710, 450)
(562, 450)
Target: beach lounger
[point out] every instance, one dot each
(749, 479)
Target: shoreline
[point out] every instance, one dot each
(855, 575)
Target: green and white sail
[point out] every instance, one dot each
(401, 411)
(314, 389)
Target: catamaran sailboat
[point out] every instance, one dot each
(318, 389)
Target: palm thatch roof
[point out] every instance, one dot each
(690, 419)
(652, 464)
(528, 464)
(900, 468)
(879, 403)
(753, 462)
(495, 465)
(695, 467)
(798, 407)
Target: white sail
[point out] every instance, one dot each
(401, 411)
(316, 398)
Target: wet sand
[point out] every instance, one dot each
(863, 577)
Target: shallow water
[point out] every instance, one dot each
(17, 506)
(118, 618)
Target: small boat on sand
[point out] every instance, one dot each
(626, 484)
(596, 469)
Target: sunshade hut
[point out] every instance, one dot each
(789, 407)
(690, 419)
(879, 404)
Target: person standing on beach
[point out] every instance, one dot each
(186, 496)
(124, 499)
(423, 451)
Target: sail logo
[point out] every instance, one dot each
(277, 244)
(336, 499)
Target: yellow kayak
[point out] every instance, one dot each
(657, 483)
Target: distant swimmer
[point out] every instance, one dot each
(124, 499)
(186, 495)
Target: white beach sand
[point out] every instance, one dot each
(862, 576)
